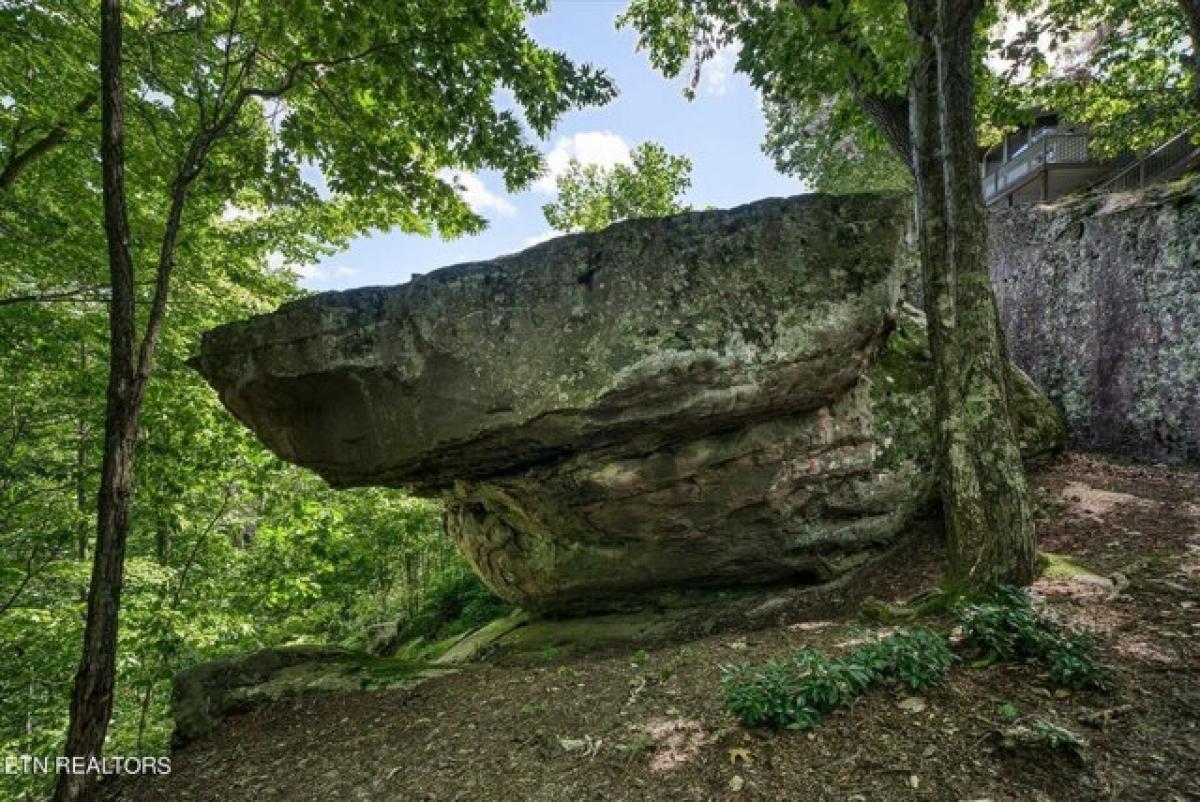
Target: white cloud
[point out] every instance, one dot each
(538, 239)
(471, 189)
(717, 71)
(323, 273)
(603, 148)
(311, 272)
(232, 213)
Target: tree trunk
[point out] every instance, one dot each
(1191, 12)
(985, 497)
(92, 699)
(162, 536)
(83, 507)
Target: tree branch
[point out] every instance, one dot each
(293, 72)
(30, 573)
(77, 294)
(19, 160)
(888, 112)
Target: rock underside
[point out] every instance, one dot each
(716, 398)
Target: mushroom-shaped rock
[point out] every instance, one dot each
(710, 398)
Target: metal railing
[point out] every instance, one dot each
(1156, 164)
(1050, 149)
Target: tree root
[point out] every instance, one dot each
(926, 603)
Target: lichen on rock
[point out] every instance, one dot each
(715, 398)
(1100, 300)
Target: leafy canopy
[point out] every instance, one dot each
(1124, 67)
(591, 197)
(316, 122)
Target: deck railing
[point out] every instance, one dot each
(1050, 149)
(1154, 165)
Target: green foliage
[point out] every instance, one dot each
(796, 692)
(591, 197)
(458, 604)
(1005, 627)
(1071, 659)
(1129, 73)
(792, 693)
(915, 658)
(1120, 66)
(811, 62)
(1010, 627)
(336, 119)
(832, 148)
(769, 695)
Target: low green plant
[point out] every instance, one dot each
(793, 693)
(640, 656)
(917, 659)
(1072, 662)
(797, 691)
(1009, 627)
(767, 695)
(1005, 627)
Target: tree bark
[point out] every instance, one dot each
(82, 505)
(890, 116)
(985, 497)
(162, 538)
(1191, 12)
(92, 699)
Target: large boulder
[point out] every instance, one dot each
(708, 399)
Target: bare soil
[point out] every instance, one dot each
(649, 725)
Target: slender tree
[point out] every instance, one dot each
(385, 106)
(1191, 13)
(92, 699)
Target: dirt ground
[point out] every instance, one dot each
(648, 725)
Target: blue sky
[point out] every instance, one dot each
(721, 131)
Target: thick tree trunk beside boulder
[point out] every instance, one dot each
(985, 497)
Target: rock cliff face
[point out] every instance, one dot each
(1100, 299)
(712, 398)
